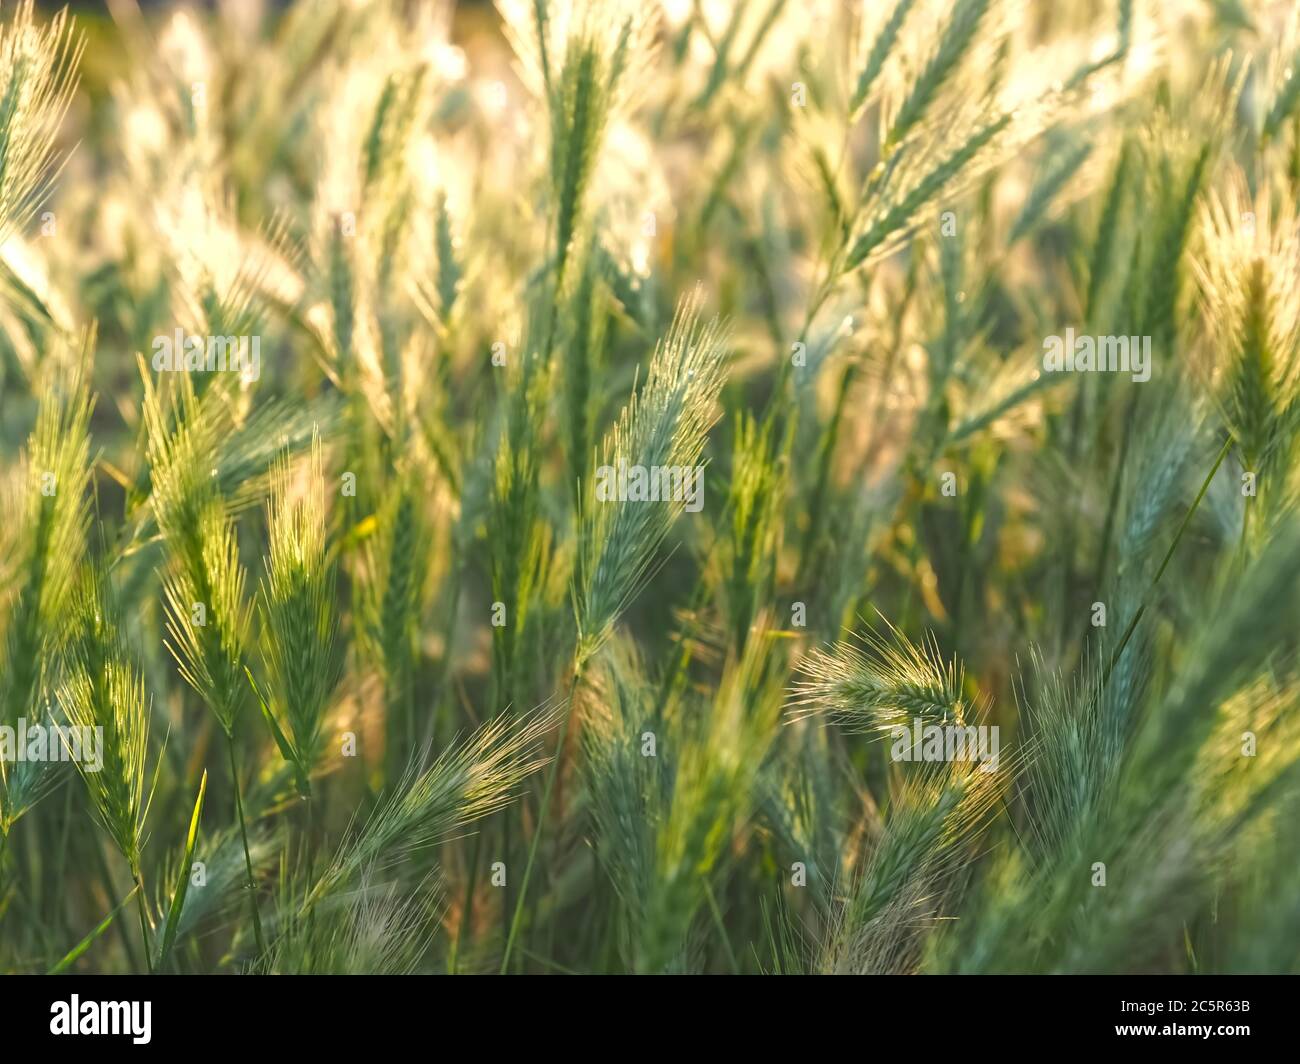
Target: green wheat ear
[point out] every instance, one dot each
(102, 689)
(466, 782)
(957, 37)
(102, 692)
(881, 48)
(897, 895)
(209, 615)
(666, 424)
(884, 688)
(299, 622)
(375, 929)
(47, 521)
(1247, 273)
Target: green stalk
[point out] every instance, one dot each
(721, 926)
(1187, 518)
(825, 456)
(138, 879)
(1243, 545)
(1068, 546)
(467, 910)
(110, 891)
(248, 860)
(1112, 504)
(551, 776)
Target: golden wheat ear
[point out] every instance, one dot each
(37, 79)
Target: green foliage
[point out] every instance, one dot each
(509, 711)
